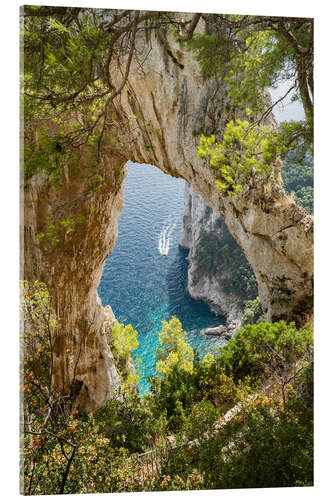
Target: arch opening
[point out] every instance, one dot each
(158, 124)
(145, 277)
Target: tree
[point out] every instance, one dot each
(65, 451)
(253, 53)
(68, 81)
(243, 153)
(69, 57)
(175, 352)
(257, 351)
(257, 52)
(122, 341)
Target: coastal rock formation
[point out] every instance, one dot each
(199, 216)
(165, 105)
(226, 331)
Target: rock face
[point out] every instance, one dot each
(165, 105)
(198, 216)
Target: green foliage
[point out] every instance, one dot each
(218, 253)
(240, 455)
(200, 421)
(240, 280)
(253, 54)
(209, 52)
(175, 352)
(249, 65)
(60, 58)
(296, 140)
(252, 312)
(209, 252)
(180, 390)
(297, 175)
(49, 156)
(131, 422)
(54, 229)
(249, 353)
(123, 341)
(63, 57)
(260, 66)
(286, 435)
(243, 152)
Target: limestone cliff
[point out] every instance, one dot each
(201, 285)
(158, 117)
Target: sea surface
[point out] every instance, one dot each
(145, 277)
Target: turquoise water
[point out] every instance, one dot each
(143, 286)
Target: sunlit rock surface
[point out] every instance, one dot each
(165, 106)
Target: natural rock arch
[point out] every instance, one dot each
(165, 105)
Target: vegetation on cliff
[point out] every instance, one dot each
(205, 424)
(253, 53)
(218, 254)
(123, 341)
(297, 176)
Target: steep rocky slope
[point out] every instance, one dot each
(165, 105)
(202, 285)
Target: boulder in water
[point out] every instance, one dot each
(220, 330)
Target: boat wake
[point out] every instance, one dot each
(164, 239)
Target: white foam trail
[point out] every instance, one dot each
(165, 239)
(162, 240)
(168, 236)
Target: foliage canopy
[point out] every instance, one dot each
(70, 452)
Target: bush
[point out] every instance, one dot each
(297, 176)
(253, 313)
(175, 352)
(255, 347)
(123, 341)
(274, 449)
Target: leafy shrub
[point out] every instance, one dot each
(274, 449)
(252, 312)
(123, 341)
(244, 151)
(297, 174)
(255, 347)
(175, 352)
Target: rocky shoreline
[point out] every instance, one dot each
(226, 331)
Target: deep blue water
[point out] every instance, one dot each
(143, 286)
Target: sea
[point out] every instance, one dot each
(145, 277)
